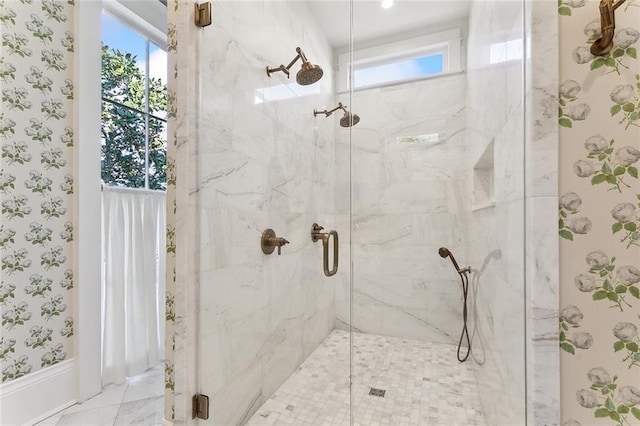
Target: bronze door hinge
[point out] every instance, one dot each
(202, 16)
(200, 407)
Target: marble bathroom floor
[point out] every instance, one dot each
(138, 401)
(424, 384)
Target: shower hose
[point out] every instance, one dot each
(465, 332)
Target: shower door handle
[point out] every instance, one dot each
(325, 254)
(326, 237)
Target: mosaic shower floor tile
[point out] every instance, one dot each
(396, 382)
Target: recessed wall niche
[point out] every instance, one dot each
(483, 180)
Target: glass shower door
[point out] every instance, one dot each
(267, 172)
(437, 183)
(393, 148)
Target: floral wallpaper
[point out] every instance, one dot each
(599, 217)
(170, 306)
(36, 185)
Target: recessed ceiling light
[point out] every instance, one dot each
(386, 4)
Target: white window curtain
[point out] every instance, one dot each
(134, 282)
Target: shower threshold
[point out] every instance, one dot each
(395, 382)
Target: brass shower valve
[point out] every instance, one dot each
(269, 242)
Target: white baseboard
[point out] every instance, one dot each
(38, 395)
(166, 422)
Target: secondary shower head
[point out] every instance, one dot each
(348, 119)
(308, 74)
(444, 253)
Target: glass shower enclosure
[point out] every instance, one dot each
(392, 136)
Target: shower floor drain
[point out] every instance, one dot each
(377, 392)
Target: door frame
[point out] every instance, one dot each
(88, 200)
(88, 296)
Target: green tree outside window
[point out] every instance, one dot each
(126, 121)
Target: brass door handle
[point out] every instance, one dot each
(316, 235)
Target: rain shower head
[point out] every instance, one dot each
(308, 74)
(347, 120)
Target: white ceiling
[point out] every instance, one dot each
(371, 21)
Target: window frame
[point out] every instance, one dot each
(141, 16)
(87, 348)
(448, 43)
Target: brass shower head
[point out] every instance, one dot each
(308, 73)
(348, 119)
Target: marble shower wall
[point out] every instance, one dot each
(495, 122)
(262, 162)
(599, 206)
(410, 197)
(543, 359)
(36, 185)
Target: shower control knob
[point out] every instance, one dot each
(269, 242)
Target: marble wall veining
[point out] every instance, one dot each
(262, 161)
(408, 199)
(495, 113)
(249, 174)
(542, 265)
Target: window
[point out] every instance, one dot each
(401, 62)
(401, 70)
(134, 102)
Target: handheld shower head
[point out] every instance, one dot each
(307, 75)
(444, 253)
